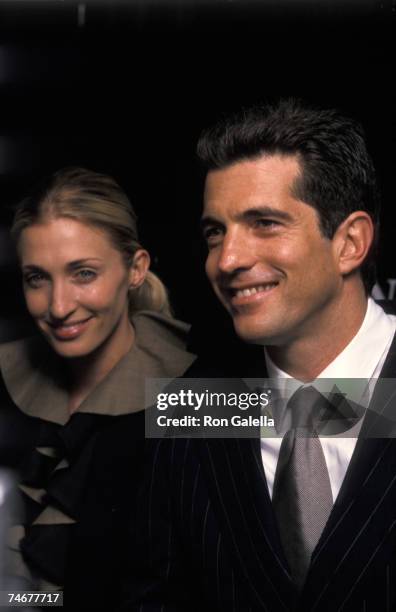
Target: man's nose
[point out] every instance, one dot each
(236, 253)
(62, 300)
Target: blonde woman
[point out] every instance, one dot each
(77, 388)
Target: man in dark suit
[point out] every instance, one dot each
(290, 215)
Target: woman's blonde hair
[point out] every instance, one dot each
(94, 199)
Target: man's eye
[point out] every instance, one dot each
(266, 223)
(34, 280)
(86, 276)
(211, 233)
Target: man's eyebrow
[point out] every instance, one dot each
(265, 211)
(250, 214)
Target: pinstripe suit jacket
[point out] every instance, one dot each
(209, 540)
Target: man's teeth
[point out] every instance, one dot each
(254, 290)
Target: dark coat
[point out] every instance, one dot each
(78, 475)
(98, 490)
(207, 537)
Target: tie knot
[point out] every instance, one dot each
(305, 405)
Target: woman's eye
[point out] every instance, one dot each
(86, 276)
(34, 280)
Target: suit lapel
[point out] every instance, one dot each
(368, 490)
(239, 492)
(376, 432)
(242, 503)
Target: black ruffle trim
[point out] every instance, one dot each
(45, 547)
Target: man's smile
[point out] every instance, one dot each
(248, 294)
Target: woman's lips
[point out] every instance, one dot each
(68, 331)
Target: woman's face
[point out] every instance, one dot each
(76, 286)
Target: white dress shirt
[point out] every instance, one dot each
(362, 358)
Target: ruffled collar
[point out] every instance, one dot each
(35, 376)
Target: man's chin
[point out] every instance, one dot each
(251, 334)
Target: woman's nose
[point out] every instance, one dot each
(62, 300)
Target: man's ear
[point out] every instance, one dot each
(139, 268)
(352, 240)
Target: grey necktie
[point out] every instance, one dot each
(302, 496)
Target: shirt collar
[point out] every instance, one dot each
(361, 359)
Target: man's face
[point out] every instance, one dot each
(268, 262)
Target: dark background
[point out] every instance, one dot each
(126, 87)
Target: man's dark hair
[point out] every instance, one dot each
(338, 175)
